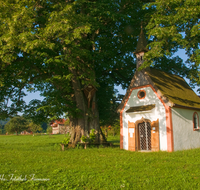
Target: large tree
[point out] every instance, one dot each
(16, 125)
(59, 47)
(33, 127)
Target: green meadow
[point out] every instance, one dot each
(37, 162)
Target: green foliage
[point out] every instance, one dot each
(44, 126)
(173, 26)
(66, 139)
(91, 137)
(49, 129)
(16, 125)
(2, 125)
(112, 130)
(96, 168)
(116, 127)
(84, 139)
(3, 122)
(67, 122)
(34, 127)
(44, 44)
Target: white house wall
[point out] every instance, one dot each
(156, 113)
(55, 130)
(184, 136)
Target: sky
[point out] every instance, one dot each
(36, 95)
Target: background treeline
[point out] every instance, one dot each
(18, 124)
(3, 123)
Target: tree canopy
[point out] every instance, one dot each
(175, 25)
(44, 44)
(16, 125)
(33, 127)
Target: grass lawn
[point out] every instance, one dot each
(40, 161)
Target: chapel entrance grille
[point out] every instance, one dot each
(145, 135)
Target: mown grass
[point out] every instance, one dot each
(93, 168)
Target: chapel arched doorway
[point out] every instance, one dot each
(144, 136)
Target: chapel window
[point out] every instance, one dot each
(141, 94)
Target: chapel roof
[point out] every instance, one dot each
(174, 88)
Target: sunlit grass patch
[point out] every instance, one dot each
(93, 168)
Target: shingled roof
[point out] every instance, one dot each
(174, 88)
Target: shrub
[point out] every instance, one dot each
(91, 137)
(66, 140)
(84, 138)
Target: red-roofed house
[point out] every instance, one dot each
(26, 133)
(59, 126)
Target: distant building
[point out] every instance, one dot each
(26, 133)
(59, 126)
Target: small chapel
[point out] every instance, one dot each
(159, 112)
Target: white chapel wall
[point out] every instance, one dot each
(184, 135)
(156, 113)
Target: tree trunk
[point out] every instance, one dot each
(88, 118)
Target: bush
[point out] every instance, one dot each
(91, 137)
(84, 138)
(66, 140)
